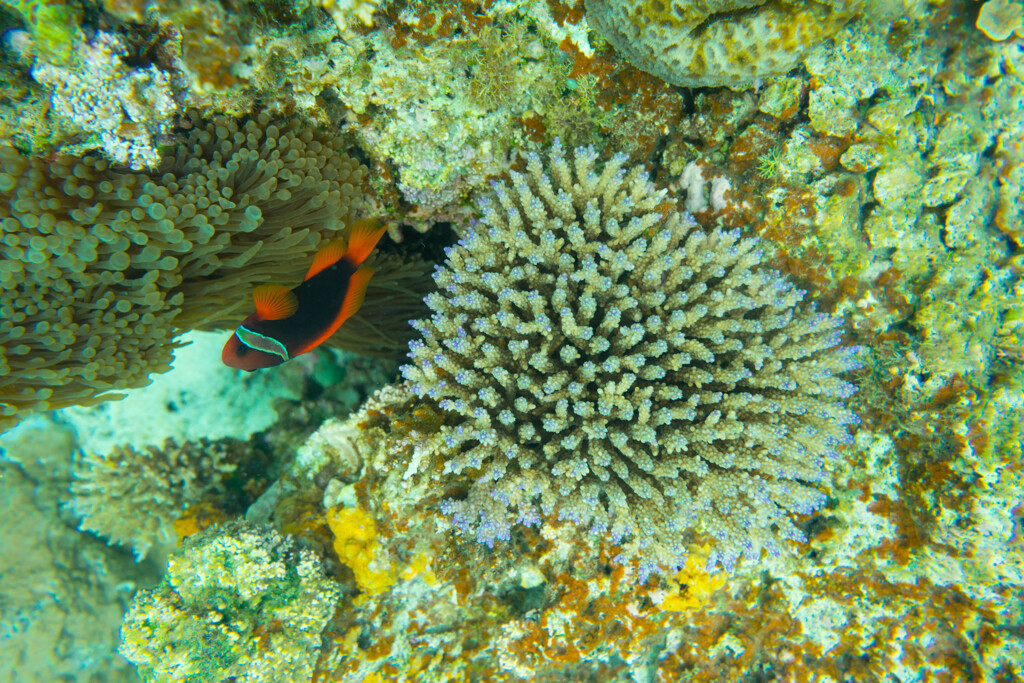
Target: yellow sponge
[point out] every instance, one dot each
(355, 542)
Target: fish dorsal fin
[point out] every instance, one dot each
(326, 256)
(363, 237)
(274, 302)
(355, 294)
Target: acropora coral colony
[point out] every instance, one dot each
(715, 378)
(613, 365)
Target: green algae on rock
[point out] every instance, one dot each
(238, 601)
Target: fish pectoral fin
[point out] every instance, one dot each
(274, 302)
(355, 294)
(326, 256)
(363, 237)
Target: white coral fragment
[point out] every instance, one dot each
(1000, 19)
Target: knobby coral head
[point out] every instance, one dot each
(612, 364)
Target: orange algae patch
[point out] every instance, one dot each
(534, 127)
(629, 107)
(828, 150)
(380, 649)
(755, 140)
(431, 24)
(355, 542)
(937, 631)
(933, 483)
(564, 13)
(197, 518)
(586, 622)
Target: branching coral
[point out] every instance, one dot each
(132, 497)
(613, 365)
(238, 602)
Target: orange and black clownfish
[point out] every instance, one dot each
(288, 322)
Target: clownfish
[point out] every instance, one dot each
(289, 322)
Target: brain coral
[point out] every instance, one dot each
(238, 602)
(610, 363)
(717, 42)
(100, 266)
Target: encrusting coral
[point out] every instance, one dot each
(612, 364)
(132, 497)
(724, 42)
(109, 104)
(101, 267)
(238, 602)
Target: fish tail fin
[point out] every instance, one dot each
(363, 237)
(355, 294)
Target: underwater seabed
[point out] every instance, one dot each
(93, 495)
(774, 207)
(867, 587)
(861, 583)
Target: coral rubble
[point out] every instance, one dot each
(868, 153)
